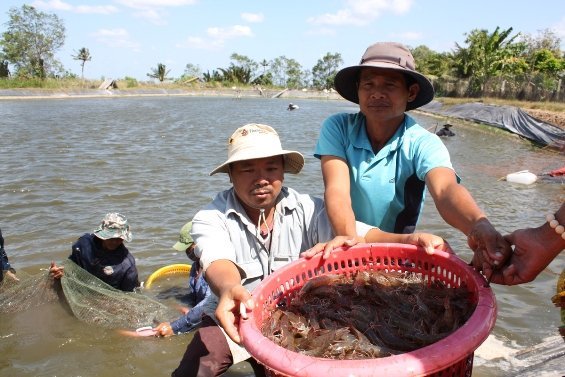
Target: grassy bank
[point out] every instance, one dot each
(127, 83)
(131, 84)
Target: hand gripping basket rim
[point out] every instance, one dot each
(439, 356)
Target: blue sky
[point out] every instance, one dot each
(129, 37)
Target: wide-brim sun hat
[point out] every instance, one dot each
(389, 55)
(254, 141)
(114, 225)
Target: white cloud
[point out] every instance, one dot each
(100, 9)
(149, 10)
(229, 33)
(201, 44)
(253, 17)
(361, 12)
(144, 4)
(374, 8)
(152, 10)
(216, 37)
(53, 4)
(154, 16)
(342, 17)
(117, 38)
(84, 9)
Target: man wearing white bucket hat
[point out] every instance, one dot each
(251, 230)
(378, 162)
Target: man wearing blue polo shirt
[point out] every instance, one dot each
(377, 163)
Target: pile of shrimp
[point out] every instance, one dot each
(370, 315)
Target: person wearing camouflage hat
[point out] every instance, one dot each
(114, 225)
(103, 254)
(199, 290)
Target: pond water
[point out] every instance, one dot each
(65, 163)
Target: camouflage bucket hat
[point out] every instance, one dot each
(185, 240)
(114, 225)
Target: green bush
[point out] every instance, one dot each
(131, 82)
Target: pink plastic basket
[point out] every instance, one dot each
(451, 356)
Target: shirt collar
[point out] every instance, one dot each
(361, 138)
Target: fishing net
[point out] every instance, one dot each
(89, 298)
(28, 292)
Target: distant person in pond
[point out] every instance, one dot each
(104, 255)
(199, 290)
(446, 131)
(292, 106)
(6, 269)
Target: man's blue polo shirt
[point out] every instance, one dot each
(387, 189)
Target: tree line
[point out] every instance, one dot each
(500, 63)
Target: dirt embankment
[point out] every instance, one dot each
(553, 117)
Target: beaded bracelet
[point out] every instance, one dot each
(553, 223)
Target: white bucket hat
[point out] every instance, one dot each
(259, 141)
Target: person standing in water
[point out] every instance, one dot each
(199, 290)
(5, 266)
(104, 255)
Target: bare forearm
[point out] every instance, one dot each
(377, 235)
(534, 249)
(222, 275)
(337, 196)
(340, 213)
(458, 208)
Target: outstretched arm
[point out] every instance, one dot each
(458, 208)
(534, 249)
(225, 281)
(192, 316)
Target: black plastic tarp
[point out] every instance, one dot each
(510, 118)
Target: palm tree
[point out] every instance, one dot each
(83, 55)
(485, 56)
(160, 72)
(264, 63)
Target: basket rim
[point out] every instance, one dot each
(429, 359)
